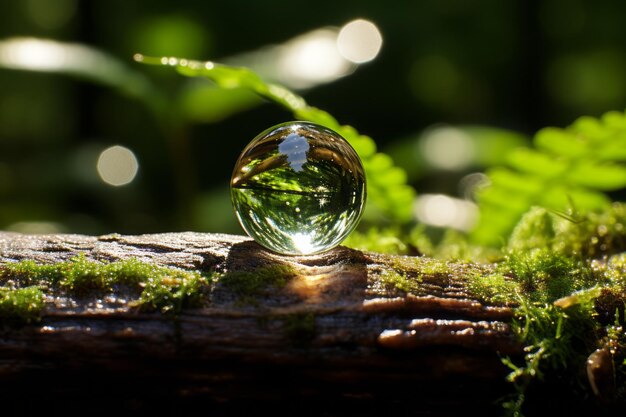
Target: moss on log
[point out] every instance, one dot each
(341, 333)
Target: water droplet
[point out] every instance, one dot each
(301, 165)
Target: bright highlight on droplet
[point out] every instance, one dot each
(359, 41)
(444, 211)
(117, 166)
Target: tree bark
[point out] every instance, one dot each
(337, 339)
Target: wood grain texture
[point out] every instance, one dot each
(335, 340)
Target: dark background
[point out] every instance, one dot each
(513, 65)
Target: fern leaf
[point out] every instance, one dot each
(567, 169)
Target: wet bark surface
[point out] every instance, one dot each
(335, 340)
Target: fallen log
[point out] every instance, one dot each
(345, 333)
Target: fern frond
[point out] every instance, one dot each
(566, 169)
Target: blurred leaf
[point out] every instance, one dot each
(81, 61)
(535, 162)
(492, 144)
(515, 182)
(390, 198)
(494, 224)
(560, 142)
(504, 199)
(568, 170)
(208, 103)
(562, 197)
(606, 177)
(613, 151)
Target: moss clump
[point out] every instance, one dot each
(430, 266)
(614, 270)
(249, 285)
(534, 230)
(158, 288)
(392, 279)
(21, 305)
(495, 288)
(545, 275)
(557, 342)
(82, 276)
(589, 235)
(421, 265)
(571, 297)
(172, 292)
(27, 272)
(594, 234)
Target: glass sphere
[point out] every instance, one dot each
(298, 188)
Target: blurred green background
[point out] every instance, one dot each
(455, 84)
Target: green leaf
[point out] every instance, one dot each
(208, 103)
(560, 142)
(492, 144)
(600, 176)
(614, 149)
(567, 170)
(615, 120)
(561, 197)
(535, 162)
(504, 199)
(494, 225)
(81, 61)
(390, 198)
(515, 182)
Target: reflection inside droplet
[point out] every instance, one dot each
(295, 148)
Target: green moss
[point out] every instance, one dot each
(300, 328)
(21, 305)
(421, 265)
(249, 285)
(392, 279)
(557, 342)
(495, 288)
(588, 235)
(615, 341)
(429, 266)
(28, 272)
(158, 288)
(82, 276)
(173, 292)
(545, 275)
(534, 230)
(594, 234)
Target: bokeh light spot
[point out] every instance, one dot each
(311, 59)
(444, 211)
(447, 148)
(359, 41)
(117, 166)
